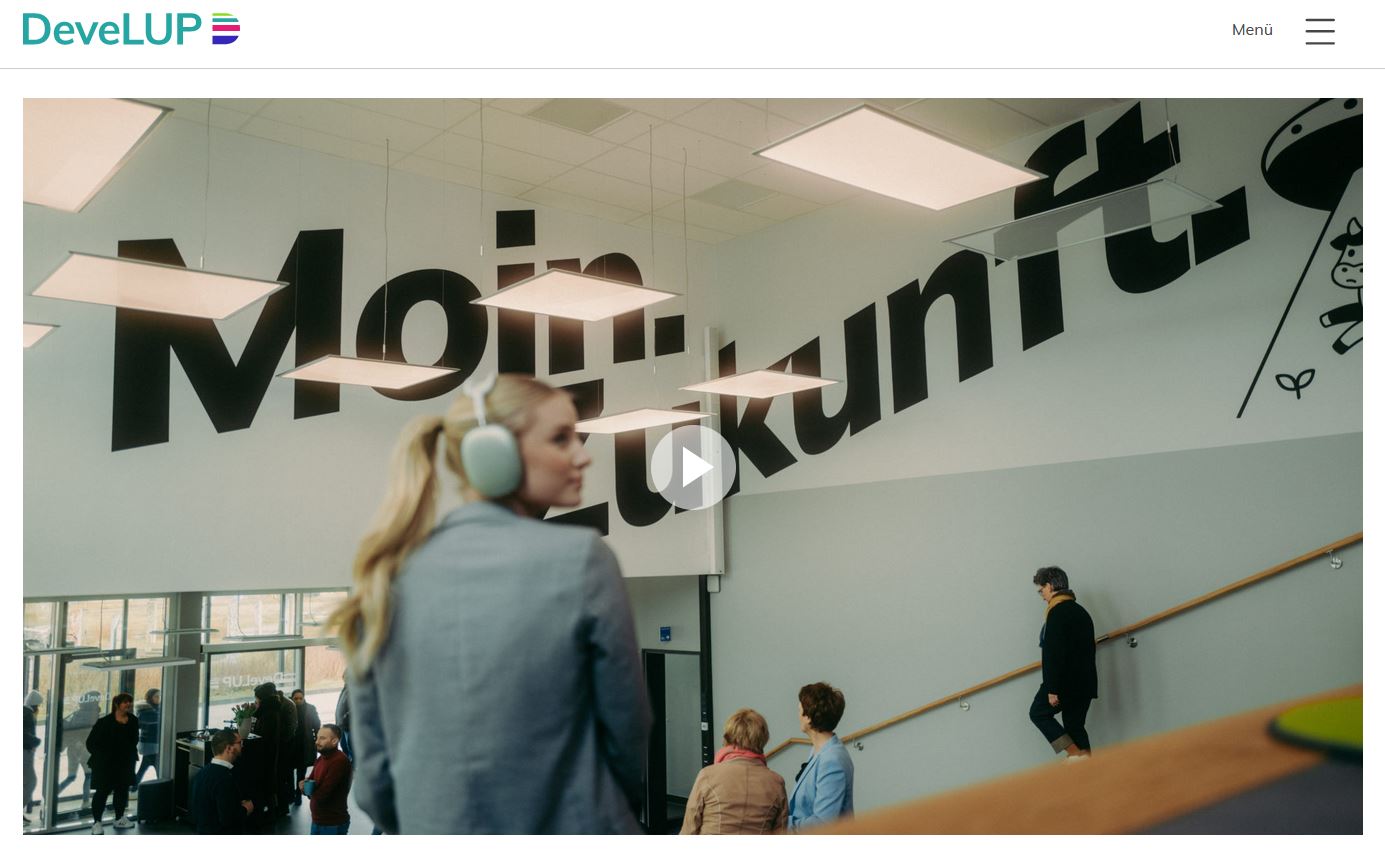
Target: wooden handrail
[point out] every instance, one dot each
(1115, 633)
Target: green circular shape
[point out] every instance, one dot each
(1334, 727)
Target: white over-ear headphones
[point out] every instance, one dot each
(490, 453)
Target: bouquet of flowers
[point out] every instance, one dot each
(241, 713)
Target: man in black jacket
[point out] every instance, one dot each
(1068, 642)
(212, 798)
(112, 742)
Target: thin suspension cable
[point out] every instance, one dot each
(481, 191)
(651, 203)
(384, 330)
(206, 190)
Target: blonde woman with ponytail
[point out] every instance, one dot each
(493, 670)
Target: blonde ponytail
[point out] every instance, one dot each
(409, 512)
(403, 522)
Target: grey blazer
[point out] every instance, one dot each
(508, 697)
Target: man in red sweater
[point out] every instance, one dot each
(328, 784)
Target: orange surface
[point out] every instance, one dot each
(1126, 788)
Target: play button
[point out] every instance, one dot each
(693, 467)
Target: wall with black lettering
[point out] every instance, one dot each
(1147, 341)
(1160, 413)
(164, 453)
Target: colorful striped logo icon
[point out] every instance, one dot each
(225, 28)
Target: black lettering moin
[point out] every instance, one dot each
(230, 391)
(467, 328)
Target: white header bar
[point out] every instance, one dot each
(712, 34)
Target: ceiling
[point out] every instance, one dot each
(592, 156)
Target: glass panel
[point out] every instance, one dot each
(38, 677)
(245, 614)
(234, 677)
(86, 696)
(326, 668)
(1126, 210)
(38, 625)
(317, 607)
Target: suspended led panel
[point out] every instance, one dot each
(162, 288)
(188, 630)
(72, 147)
(380, 374)
(34, 332)
(879, 152)
(565, 294)
(148, 662)
(641, 418)
(762, 384)
(72, 649)
(1126, 210)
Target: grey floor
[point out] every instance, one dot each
(1326, 799)
(297, 822)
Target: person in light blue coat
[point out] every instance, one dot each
(822, 791)
(494, 675)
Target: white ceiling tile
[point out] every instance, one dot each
(978, 123)
(734, 194)
(573, 203)
(245, 106)
(610, 190)
(296, 136)
(453, 149)
(1057, 112)
(515, 106)
(806, 112)
(781, 207)
(534, 170)
(738, 122)
(633, 165)
(434, 113)
(704, 151)
(674, 228)
(416, 164)
(541, 139)
(627, 128)
(716, 218)
(226, 119)
(799, 183)
(666, 109)
(579, 115)
(350, 122)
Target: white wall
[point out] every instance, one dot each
(903, 592)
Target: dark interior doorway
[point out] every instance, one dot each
(676, 751)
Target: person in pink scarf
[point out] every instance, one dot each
(738, 793)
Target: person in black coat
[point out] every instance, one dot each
(112, 744)
(1068, 642)
(32, 700)
(212, 798)
(270, 725)
(308, 724)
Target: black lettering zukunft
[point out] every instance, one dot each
(963, 278)
(817, 432)
(467, 328)
(747, 433)
(1137, 262)
(230, 391)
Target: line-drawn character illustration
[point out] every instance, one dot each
(1346, 273)
(1311, 160)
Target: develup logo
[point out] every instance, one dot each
(149, 28)
(225, 28)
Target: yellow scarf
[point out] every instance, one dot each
(1057, 598)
